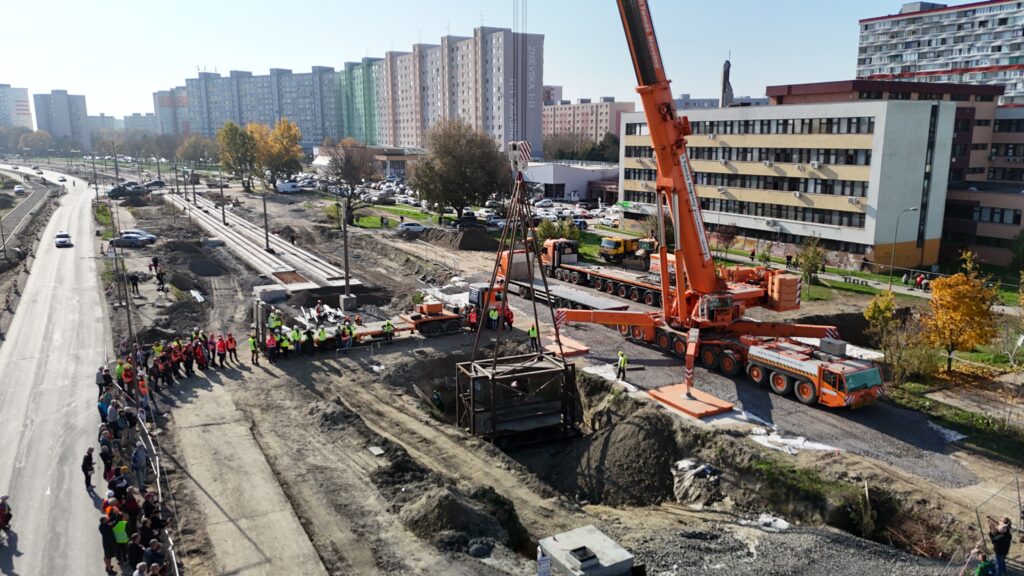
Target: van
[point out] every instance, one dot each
(288, 187)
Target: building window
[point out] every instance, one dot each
(982, 122)
(985, 97)
(960, 97)
(899, 96)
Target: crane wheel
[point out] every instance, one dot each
(621, 291)
(527, 294)
(679, 347)
(806, 392)
(634, 294)
(431, 329)
(664, 341)
(780, 383)
(637, 333)
(624, 329)
(609, 286)
(598, 285)
(757, 374)
(574, 277)
(729, 363)
(709, 357)
(452, 326)
(649, 298)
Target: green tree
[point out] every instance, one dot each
(9, 137)
(37, 142)
(351, 162)
(960, 311)
(607, 150)
(562, 229)
(196, 149)
(567, 146)
(1017, 248)
(462, 166)
(810, 257)
(238, 152)
(278, 152)
(726, 234)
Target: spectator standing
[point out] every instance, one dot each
(134, 280)
(1001, 535)
(88, 466)
(232, 347)
(140, 464)
(109, 544)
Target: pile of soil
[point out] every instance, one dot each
(473, 239)
(201, 266)
(185, 283)
(182, 246)
(136, 201)
(182, 317)
(451, 520)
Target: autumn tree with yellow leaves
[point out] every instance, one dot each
(960, 315)
(278, 152)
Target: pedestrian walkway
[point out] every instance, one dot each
(250, 522)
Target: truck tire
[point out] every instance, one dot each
(637, 333)
(806, 392)
(621, 290)
(634, 294)
(574, 277)
(598, 285)
(679, 346)
(609, 286)
(730, 363)
(452, 326)
(650, 298)
(780, 383)
(663, 341)
(757, 374)
(709, 357)
(624, 329)
(430, 329)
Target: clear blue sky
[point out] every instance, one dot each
(118, 52)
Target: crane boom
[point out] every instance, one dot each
(668, 137)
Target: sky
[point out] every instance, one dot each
(118, 52)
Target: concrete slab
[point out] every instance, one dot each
(586, 551)
(699, 404)
(570, 347)
(270, 292)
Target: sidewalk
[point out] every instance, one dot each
(897, 286)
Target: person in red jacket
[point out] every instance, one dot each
(200, 351)
(222, 350)
(232, 347)
(271, 350)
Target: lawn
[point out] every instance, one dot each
(589, 245)
(104, 220)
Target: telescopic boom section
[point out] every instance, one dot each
(668, 133)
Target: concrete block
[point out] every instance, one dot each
(586, 551)
(346, 302)
(270, 293)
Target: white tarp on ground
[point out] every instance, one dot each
(949, 435)
(773, 440)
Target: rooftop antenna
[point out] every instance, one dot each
(481, 18)
(448, 28)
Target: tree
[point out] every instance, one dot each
(607, 150)
(196, 149)
(10, 136)
(567, 146)
(462, 166)
(960, 313)
(810, 257)
(328, 142)
(562, 229)
(900, 338)
(278, 152)
(353, 164)
(1017, 248)
(38, 141)
(727, 235)
(238, 152)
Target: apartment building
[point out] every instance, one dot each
(103, 123)
(492, 81)
(686, 102)
(311, 100)
(590, 119)
(551, 94)
(847, 173)
(976, 43)
(14, 107)
(141, 122)
(63, 115)
(171, 110)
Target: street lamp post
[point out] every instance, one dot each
(266, 224)
(892, 252)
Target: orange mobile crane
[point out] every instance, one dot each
(703, 313)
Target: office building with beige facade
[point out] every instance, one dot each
(590, 119)
(866, 177)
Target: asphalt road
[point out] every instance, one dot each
(13, 220)
(48, 418)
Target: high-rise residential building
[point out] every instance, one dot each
(685, 102)
(141, 122)
(102, 122)
(590, 119)
(311, 100)
(844, 172)
(171, 110)
(976, 43)
(492, 81)
(552, 94)
(63, 115)
(14, 107)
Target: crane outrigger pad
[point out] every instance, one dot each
(570, 347)
(699, 405)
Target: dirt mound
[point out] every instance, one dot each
(185, 283)
(153, 335)
(205, 267)
(852, 326)
(136, 202)
(182, 317)
(328, 416)
(182, 246)
(450, 520)
(408, 234)
(461, 240)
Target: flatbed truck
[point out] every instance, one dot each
(560, 258)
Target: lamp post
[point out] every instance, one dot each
(892, 252)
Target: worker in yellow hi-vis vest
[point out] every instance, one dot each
(620, 374)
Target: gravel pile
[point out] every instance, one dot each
(473, 239)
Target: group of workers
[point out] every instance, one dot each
(280, 340)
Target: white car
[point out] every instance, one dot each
(484, 213)
(149, 238)
(610, 222)
(62, 179)
(412, 227)
(545, 203)
(581, 212)
(19, 189)
(62, 240)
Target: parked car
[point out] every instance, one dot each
(128, 241)
(288, 187)
(545, 203)
(412, 227)
(493, 204)
(62, 179)
(610, 222)
(149, 238)
(155, 184)
(580, 223)
(19, 189)
(62, 240)
(484, 213)
(499, 222)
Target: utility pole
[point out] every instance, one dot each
(96, 183)
(266, 224)
(3, 237)
(344, 243)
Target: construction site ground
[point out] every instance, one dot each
(273, 471)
